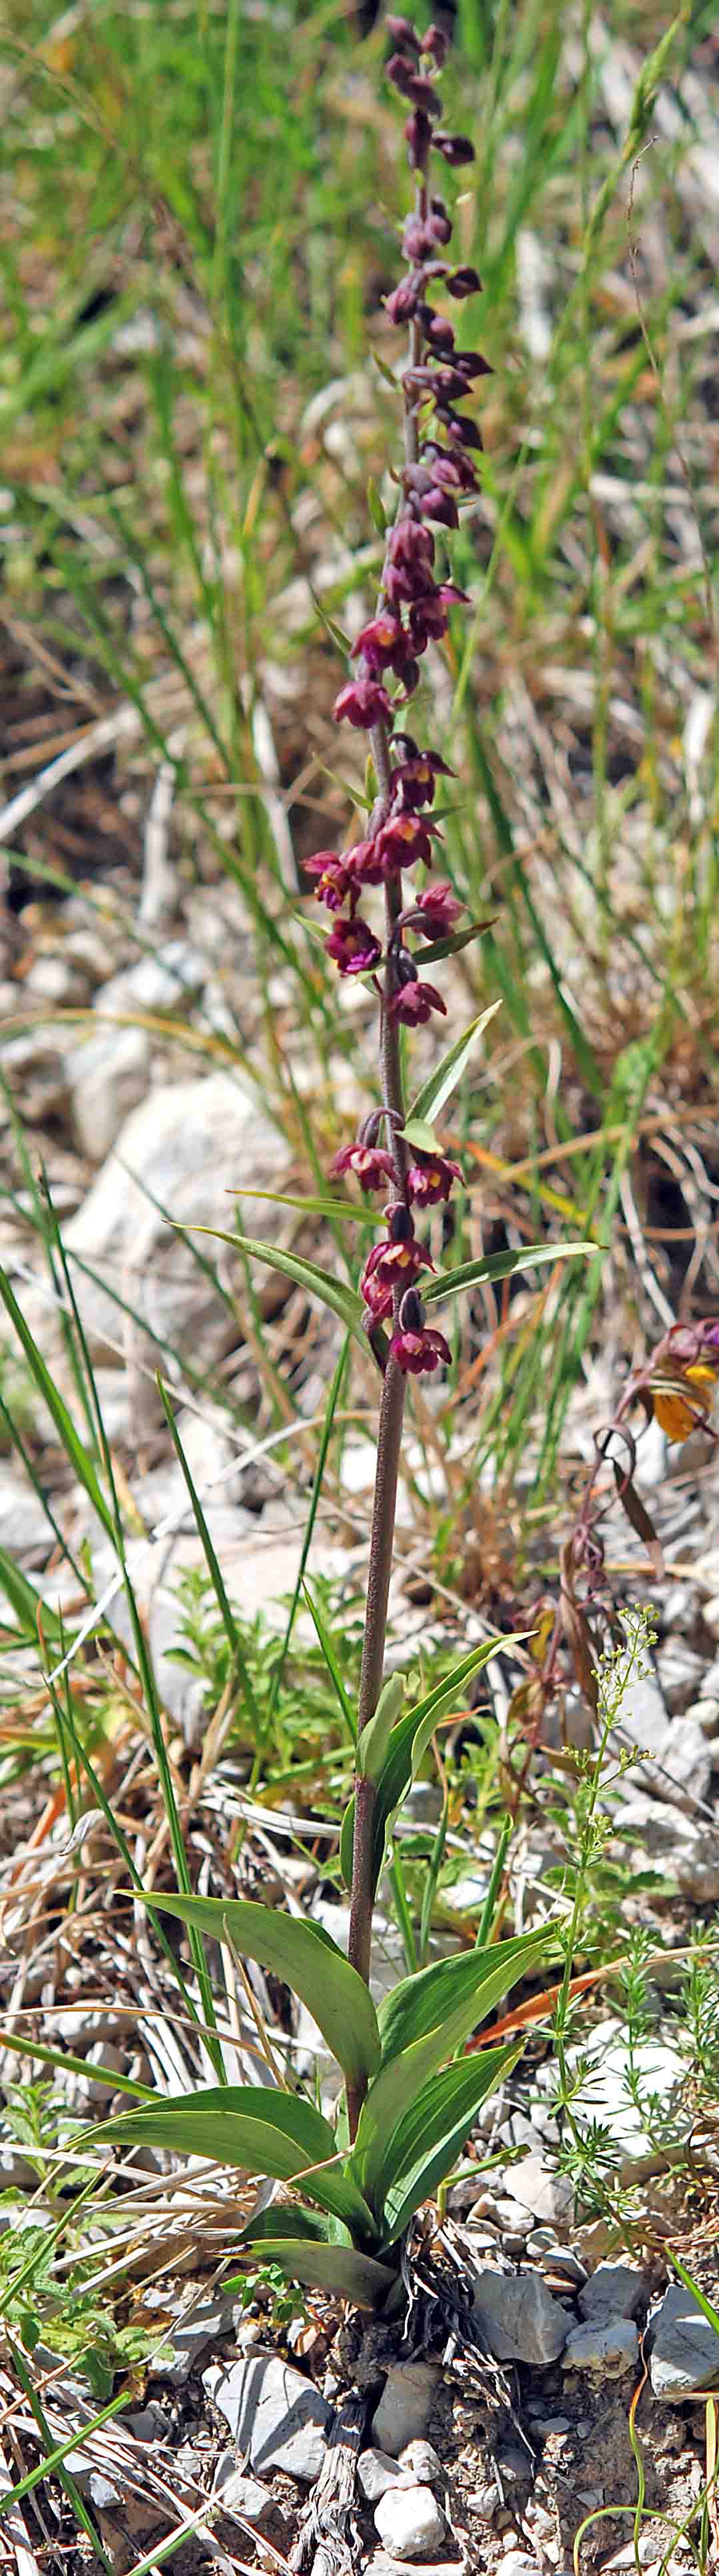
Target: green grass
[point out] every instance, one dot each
(201, 211)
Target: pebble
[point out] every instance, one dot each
(276, 2416)
(410, 2522)
(542, 2195)
(190, 2336)
(150, 2424)
(376, 2472)
(517, 2562)
(518, 2317)
(705, 1713)
(406, 2405)
(567, 2265)
(483, 2502)
(240, 2494)
(608, 2344)
(614, 2290)
(420, 2461)
(540, 2240)
(684, 2347)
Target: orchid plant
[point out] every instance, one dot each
(409, 2099)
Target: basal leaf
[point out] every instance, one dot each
(262, 2130)
(304, 1955)
(425, 2020)
(447, 1283)
(443, 1081)
(341, 2270)
(432, 2133)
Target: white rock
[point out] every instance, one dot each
(189, 1145)
(518, 2318)
(606, 2344)
(410, 2522)
(711, 1615)
(376, 2472)
(548, 2196)
(421, 2462)
(108, 1075)
(517, 2562)
(406, 2405)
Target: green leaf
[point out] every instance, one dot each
(374, 1739)
(447, 1283)
(343, 1208)
(460, 939)
(339, 2269)
(304, 1955)
(449, 1072)
(25, 1601)
(426, 2018)
(69, 1438)
(306, 1274)
(407, 1744)
(264, 2131)
(417, 1132)
(432, 2133)
(375, 505)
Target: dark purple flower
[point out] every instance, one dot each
(436, 43)
(463, 281)
(405, 299)
(470, 362)
(362, 702)
(436, 328)
(371, 1164)
(354, 947)
(412, 85)
(415, 1003)
(415, 777)
(335, 876)
(439, 909)
(430, 1178)
(456, 149)
(402, 841)
(390, 1266)
(418, 1353)
(403, 33)
(378, 642)
(465, 432)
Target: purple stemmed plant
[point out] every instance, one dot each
(412, 611)
(410, 2096)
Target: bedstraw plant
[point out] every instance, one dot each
(409, 2098)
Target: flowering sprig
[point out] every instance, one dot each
(412, 612)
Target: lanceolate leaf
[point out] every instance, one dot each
(426, 2019)
(407, 1744)
(306, 1958)
(432, 2133)
(446, 1075)
(69, 1438)
(306, 1274)
(264, 2131)
(339, 2269)
(498, 1265)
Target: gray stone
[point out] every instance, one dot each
(614, 2290)
(276, 2417)
(24, 1526)
(208, 2323)
(684, 2347)
(687, 1851)
(150, 2424)
(566, 2264)
(541, 2240)
(187, 1144)
(406, 2405)
(376, 2472)
(108, 1068)
(517, 2562)
(410, 2522)
(518, 2318)
(705, 1713)
(240, 2494)
(607, 2344)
